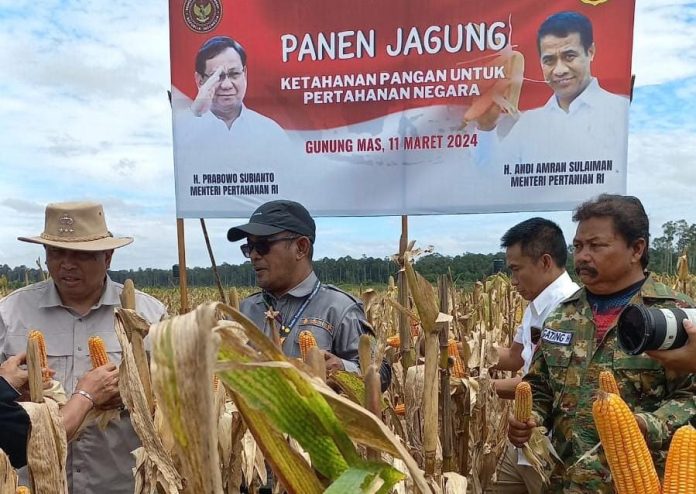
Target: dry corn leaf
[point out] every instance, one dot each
(424, 297)
(362, 426)
(183, 355)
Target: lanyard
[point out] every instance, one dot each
(285, 329)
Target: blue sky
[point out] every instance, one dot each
(84, 115)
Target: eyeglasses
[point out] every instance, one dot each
(262, 246)
(232, 74)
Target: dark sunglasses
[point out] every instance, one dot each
(262, 246)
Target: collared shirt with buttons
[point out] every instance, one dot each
(99, 462)
(537, 310)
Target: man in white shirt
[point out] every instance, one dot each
(536, 255)
(219, 140)
(581, 128)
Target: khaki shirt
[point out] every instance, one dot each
(99, 462)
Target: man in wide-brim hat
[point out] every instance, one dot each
(77, 302)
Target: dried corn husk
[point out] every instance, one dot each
(8, 476)
(454, 483)
(46, 448)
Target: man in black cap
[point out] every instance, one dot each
(280, 243)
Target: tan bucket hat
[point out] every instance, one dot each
(77, 226)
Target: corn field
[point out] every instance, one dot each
(224, 407)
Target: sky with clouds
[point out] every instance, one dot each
(84, 115)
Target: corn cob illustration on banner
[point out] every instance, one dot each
(97, 351)
(627, 453)
(680, 469)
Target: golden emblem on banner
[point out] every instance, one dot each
(594, 2)
(202, 16)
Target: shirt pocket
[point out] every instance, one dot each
(58, 350)
(320, 329)
(639, 377)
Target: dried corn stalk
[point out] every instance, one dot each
(426, 302)
(154, 469)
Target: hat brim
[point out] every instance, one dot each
(239, 232)
(107, 243)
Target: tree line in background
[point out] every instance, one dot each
(467, 268)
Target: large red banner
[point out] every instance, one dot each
(393, 99)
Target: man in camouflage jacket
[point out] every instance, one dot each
(579, 340)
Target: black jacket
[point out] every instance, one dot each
(14, 425)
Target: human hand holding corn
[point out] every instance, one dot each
(521, 425)
(12, 373)
(102, 386)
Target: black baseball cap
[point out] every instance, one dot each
(275, 217)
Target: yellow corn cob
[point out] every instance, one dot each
(394, 341)
(307, 341)
(23, 490)
(97, 351)
(400, 409)
(680, 469)
(37, 335)
(628, 456)
(458, 369)
(523, 402)
(607, 383)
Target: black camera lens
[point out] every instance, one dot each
(642, 328)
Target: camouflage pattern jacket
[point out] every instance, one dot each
(565, 376)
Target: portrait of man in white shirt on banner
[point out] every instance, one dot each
(579, 122)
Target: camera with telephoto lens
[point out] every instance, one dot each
(642, 328)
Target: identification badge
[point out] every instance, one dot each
(313, 321)
(557, 337)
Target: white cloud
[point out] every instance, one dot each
(664, 47)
